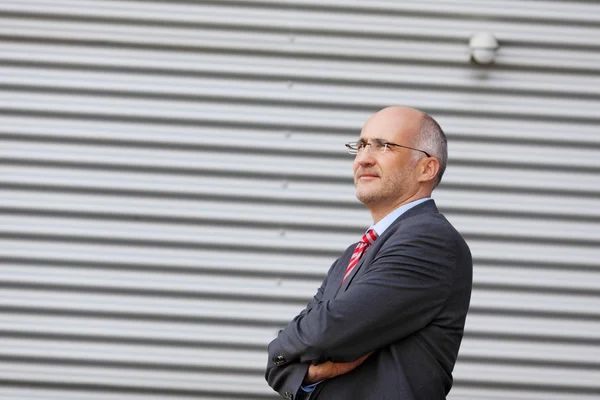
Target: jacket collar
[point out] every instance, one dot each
(427, 207)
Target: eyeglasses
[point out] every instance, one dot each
(377, 146)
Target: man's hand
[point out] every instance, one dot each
(329, 370)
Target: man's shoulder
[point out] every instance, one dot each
(428, 224)
(423, 219)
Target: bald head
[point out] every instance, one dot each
(399, 119)
(419, 130)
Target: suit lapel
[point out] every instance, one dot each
(334, 280)
(423, 208)
(354, 271)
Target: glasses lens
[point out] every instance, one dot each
(352, 148)
(379, 146)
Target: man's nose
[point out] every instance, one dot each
(365, 157)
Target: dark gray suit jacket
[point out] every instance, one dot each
(407, 300)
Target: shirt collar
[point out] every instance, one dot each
(386, 221)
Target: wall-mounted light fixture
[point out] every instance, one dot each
(483, 47)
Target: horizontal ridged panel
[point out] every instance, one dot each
(303, 167)
(196, 110)
(292, 74)
(288, 19)
(195, 357)
(521, 393)
(159, 188)
(21, 393)
(167, 219)
(138, 379)
(165, 166)
(202, 305)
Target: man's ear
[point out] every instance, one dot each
(428, 169)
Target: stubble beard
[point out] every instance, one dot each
(385, 191)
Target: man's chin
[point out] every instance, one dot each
(367, 186)
(364, 196)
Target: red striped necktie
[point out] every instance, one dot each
(367, 240)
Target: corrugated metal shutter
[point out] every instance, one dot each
(167, 165)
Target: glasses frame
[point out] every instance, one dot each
(353, 146)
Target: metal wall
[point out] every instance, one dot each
(174, 185)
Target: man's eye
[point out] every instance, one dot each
(377, 144)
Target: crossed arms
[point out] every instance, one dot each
(401, 291)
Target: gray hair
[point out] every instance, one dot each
(431, 138)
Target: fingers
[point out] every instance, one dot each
(328, 370)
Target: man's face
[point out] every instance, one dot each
(385, 180)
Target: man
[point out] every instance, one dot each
(388, 320)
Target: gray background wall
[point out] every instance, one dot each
(174, 185)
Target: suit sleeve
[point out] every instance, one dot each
(402, 290)
(288, 377)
